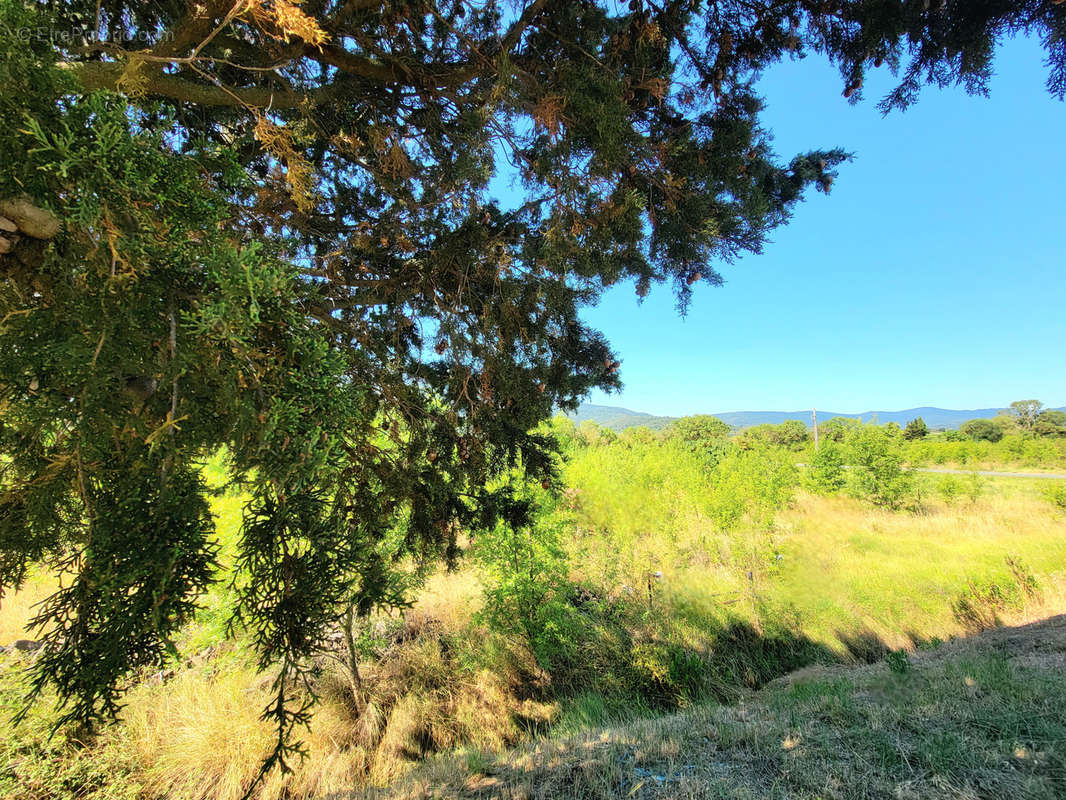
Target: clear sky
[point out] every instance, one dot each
(933, 274)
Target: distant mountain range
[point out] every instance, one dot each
(620, 418)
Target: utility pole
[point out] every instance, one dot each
(814, 416)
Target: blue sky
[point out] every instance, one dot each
(934, 274)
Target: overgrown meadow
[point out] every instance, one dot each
(663, 571)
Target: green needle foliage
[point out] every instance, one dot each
(267, 227)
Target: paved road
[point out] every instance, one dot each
(1055, 476)
(992, 473)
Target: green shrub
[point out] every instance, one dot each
(751, 486)
(702, 435)
(826, 472)
(791, 434)
(898, 661)
(1056, 495)
(982, 430)
(949, 487)
(666, 674)
(526, 580)
(877, 473)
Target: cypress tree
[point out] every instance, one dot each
(267, 227)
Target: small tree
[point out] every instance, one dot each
(949, 488)
(1050, 423)
(916, 429)
(826, 473)
(837, 429)
(1026, 412)
(698, 429)
(526, 576)
(638, 435)
(877, 468)
(593, 435)
(702, 434)
(974, 486)
(982, 430)
(792, 434)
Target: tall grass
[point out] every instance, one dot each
(830, 568)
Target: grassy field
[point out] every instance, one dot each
(828, 580)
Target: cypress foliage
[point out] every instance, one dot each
(267, 227)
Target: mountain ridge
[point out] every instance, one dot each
(618, 418)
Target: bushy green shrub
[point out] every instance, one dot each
(665, 674)
(638, 435)
(593, 435)
(1013, 449)
(791, 434)
(877, 473)
(837, 429)
(1056, 495)
(751, 486)
(982, 430)
(826, 472)
(526, 577)
(949, 487)
(702, 435)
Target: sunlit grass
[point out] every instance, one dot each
(845, 570)
(831, 567)
(981, 718)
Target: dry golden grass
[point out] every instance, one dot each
(18, 608)
(846, 565)
(450, 598)
(198, 736)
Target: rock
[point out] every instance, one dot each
(162, 676)
(8, 225)
(27, 645)
(32, 220)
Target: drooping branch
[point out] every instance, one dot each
(391, 71)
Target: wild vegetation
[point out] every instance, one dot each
(665, 572)
(981, 718)
(272, 353)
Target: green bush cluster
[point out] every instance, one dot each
(526, 580)
(825, 474)
(877, 468)
(1056, 495)
(1020, 449)
(596, 619)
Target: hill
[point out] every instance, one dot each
(934, 417)
(618, 419)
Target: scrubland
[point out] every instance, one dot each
(635, 643)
